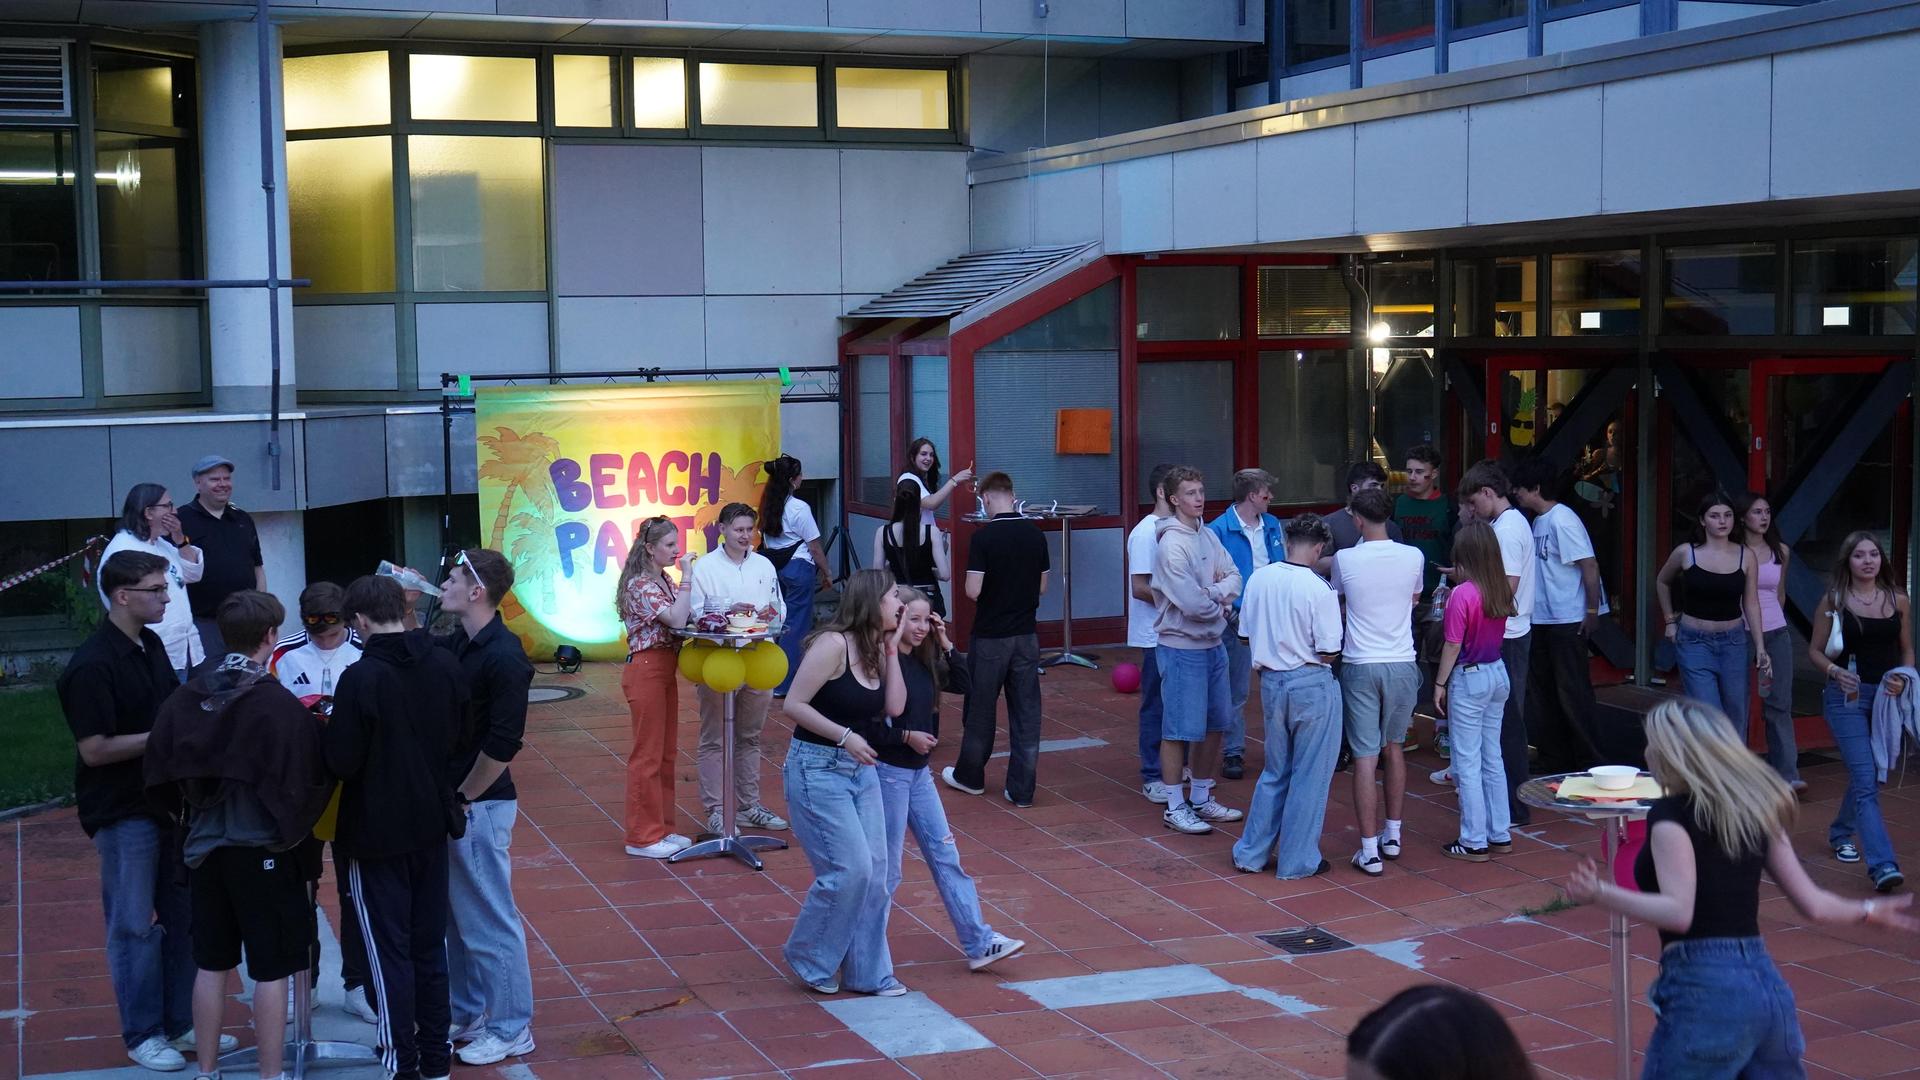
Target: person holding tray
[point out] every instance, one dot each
(739, 579)
(652, 609)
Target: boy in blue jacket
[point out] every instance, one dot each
(1252, 538)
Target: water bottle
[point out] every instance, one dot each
(1853, 666)
(1766, 683)
(326, 682)
(408, 579)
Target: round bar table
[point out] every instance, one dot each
(1064, 515)
(730, 840)
(1543, 792)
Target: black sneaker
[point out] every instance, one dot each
(1234, 768)
(1345, 759)
(1888, 879)
(1845, 851)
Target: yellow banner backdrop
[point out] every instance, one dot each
(567, 473)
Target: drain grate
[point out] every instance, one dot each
(1305, 941)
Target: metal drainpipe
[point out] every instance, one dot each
(1359, 449)
(263, 37)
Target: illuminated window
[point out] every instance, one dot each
(1596, 293)
(448, 87)
(913, 98)
(139, 90)
(137, 182)
(759, 95)
(340, 206)
(38, 214)
(582, 91)
(341, 90)
(478, 213)
(659, 92)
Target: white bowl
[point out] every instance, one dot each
(1614, 777)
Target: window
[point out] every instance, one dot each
(1471, 13)
(873, 429)
(1090, 322)
(1316, 30)
(1406, 392)
(1863, 286)
(1721, 289)
(143, 210)
(339, 90)
(927, 403)
(1596, 293)
(905, 98)
(1075, 349)
(660, 92)
(340, 208)
(1302, 300)
(759, 95)
(1188, 303)
(1496, 297)
(1303, 423)
(1391, 21)
(479, 213)
(39, 220)
(1402, 291)
(1186, 418)
(582, 91)
(451, 87)
(145, 91)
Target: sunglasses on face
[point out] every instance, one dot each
(330, 618)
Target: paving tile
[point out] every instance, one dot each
(989, 1064)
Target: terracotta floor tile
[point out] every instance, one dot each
(1863, 1010)
(817, 1048)
(1861, 1054)
(1326, 1058)
(1018, 1029)
(1130, 1016)
(1270, 1032)
(1174, 1043)
(1058, 1056)
(989, 1064)
(1240, 1065)
(717, 1059)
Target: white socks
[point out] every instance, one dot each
(1202, 792)
(1393, 830)
(1370, 847)
(1176, 796)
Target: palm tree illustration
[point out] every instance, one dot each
(520, 462)
(736, 485)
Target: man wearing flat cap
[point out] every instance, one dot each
(229, 549)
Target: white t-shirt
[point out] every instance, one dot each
(1380, 580)
(1289, 616)
(310, 669)
(1256, 537)
(926, 516)
(1140, 613)
(176, 628)
(796, 527)
(1560, 541)
(1516, 555)
(753, 581)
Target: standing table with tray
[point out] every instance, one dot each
(1611, 810)
(1064, 515)
(730, 840)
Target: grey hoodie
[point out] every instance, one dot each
(1194, 582)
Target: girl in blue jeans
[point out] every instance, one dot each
(1877, 630)
(1470, 688)
(1724, 1011)
(1713, 619)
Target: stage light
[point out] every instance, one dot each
(568, 658)
(1379, 332)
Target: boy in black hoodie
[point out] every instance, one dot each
(400, 715)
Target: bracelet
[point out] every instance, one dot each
(1866, 909)
(844, 733)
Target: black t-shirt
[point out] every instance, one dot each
(498, 676)
(923, 708)
(1726, 897)
(1012, 552)
(229, 550)
(113, 686)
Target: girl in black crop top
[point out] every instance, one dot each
(1714, 617)
(1724, 1009)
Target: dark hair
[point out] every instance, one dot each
(247, 618)
(996, 481)
(124, 569)
(1363, 471)
(1476, 554)
(650, 532)
(321, 598)
(1437, 1032)
(1307, 529)
(491, 571)
(931, 477)
(1711, 499)
(1372, 504)
(1158, 479)
(735, 510)
(1485, 474)
(380, 599)
(1771, 538)
(906, 514)
(1425, 454)
(857, 617)
(1248, 481)
(133, 512)
(781, 473)
(1538, 475)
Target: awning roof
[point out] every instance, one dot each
(962, 283)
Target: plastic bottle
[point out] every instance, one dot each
(408, 579)
(1853, 667)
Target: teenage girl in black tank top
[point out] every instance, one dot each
(1714, 618)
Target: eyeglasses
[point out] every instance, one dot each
(330, 618)
(472, 571)
(146, 589)
(168, 505)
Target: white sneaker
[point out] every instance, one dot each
(187, 1044)
(1442, 776)
(1369, 865)
(759, 817)
(663, 849)
(998, 949)
(458, 1034)
(1182, 819)
(489, 1048)
(946, 777)
(155, 1054)
(679, 841)
(358, 1005)
(1156, 792)
(1214, 810)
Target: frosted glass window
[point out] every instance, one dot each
(659, 92)
(1303, 423)
(139, 90)
(582, 91)
(927, 401)
(873, 430)
(449, 87)
(1186, 418)
(890, 98)
(340, 208)
(339, 90)
(142, 213)
(1017, 398)
(478, 220)
(759, 95)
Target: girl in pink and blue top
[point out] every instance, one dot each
(1770, 557)
(1471, 689)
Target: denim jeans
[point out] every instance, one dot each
(1725, 1012)
(1859, 813)
(488, 975)
(1193, 693)
(1476, 707)
(1715, 668)
(799, 580)
(1302, 712)
(1239, 688)
(1149, 716)
(150, 959)
(995, 664)
(911, 801)
(1777, 706)
(841, 933)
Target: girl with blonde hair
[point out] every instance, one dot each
(652, 607)
(1470, 688)
(1724, 1009)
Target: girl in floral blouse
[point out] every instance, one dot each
(652, 608)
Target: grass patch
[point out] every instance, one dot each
(37, 764)
(1559, 903)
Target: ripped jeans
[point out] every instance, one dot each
(913, 801)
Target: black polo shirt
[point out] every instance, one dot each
(113, 686)
(229, 550)
(498, 677)
(1012, 552)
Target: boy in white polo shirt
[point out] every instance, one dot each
(735, 574)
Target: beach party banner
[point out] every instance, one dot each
(568, 473)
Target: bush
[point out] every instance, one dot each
(38, 763)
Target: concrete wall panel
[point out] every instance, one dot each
(80, 456)
(480, 338)
(1016, 102)
(346, 346)
(810, 431)
(1487, 49)
(1586, 31)
(164, 454)
(346, 459)
(1306, 184)
(942, 15)
(1832, 132)
(42, 357)
(1325, 81)
(1707, 12)
(617, 333)
(1534, 158)
(901, 214)
(414, 463)
(1137, 204)
(1213, 196)
(1687, 138)
(1090, 18)
(765, 12)
(1069, 207)
(1002, 215)
(772, 219)
(1201, 20)
(150, 350)
(768, 331)
(1137, 94)
(1410, 172)
(1399, 67)
(627, 220)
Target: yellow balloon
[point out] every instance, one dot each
(725, 670)
(766, 666)
(693, 659)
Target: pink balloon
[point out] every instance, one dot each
(1126, 678)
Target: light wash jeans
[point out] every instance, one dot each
(1715, 667)
(149, 947)
(1149, 717)
(1724, 1012)
(488, 976)
(1476, 703)
(841, 934)
(1777, 706)
(1859, 813)
(1303, 726)
(912, 802)
(799, 581)
(1239, 688)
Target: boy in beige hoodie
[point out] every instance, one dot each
(1194, 584)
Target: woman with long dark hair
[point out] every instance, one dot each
(652, 607)
(1724, 1010)
(1757, 531)
(1470, 687)
(1876, 633)
(910, 548)
(790, 539)
(849, 682)
(149, 524)
(923, 468)
(1435, 1032)
(1714, 620)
